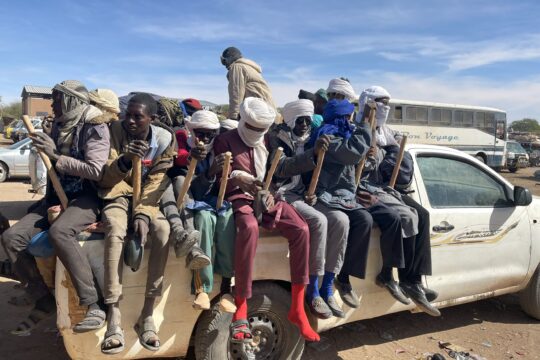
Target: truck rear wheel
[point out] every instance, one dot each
(274, 336)
(530, 296)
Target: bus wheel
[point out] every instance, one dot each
(481, 157)
(274, 337)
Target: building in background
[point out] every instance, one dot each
(36, 101)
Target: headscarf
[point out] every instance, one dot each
(295, 109)
(105, 99)
(303, 94)
(383, 135)
(190, 105)
(256, 112)
(342, 87)
(336, 120)
(202, 119)
(230, 55)
(229, 124)
(74, 106)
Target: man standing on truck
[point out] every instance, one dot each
(245, 80)
(135, 137)
(78, 148)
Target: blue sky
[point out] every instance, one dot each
(472, 52)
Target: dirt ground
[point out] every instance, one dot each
(494, 328)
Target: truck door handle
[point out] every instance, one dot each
(443, 227)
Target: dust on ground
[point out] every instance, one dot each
(494, 328)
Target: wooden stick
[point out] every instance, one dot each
(50, 169)
(398, 161)
(275, 162)
(224, 179)
(316, 174)
(360, 167)
(187, 181)
(136, 174)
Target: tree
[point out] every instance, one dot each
(13, 109)
(525, 125)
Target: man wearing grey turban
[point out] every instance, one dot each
(78, 148)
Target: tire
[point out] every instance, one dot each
(529, 298)
(4, 172)
(276, 337)
(513, 169)
(480, 158)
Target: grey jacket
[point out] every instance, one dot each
(337, 187)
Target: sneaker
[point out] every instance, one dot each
(416, 293)
(318, 307)
(184, 241)
(334, 307)
(393, 288)
(196, 259)
(347, 294)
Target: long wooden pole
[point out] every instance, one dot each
(224, 179)
(316, 173)
(50, 169)
(395, 172)
(187, 183)
(273, 166)
(136, 177)
(362, 164)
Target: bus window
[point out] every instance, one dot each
(468, 118)
(440, 117)
(458, 118)
(396, 115)
(416, 115)
(480, 120)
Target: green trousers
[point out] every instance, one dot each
(217, 241)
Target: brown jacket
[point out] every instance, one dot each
(245, 80)
(116, 182)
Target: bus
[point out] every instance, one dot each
(478, 131)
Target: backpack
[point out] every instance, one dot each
(170, 113)
(406, 169)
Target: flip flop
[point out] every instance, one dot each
(35, 317)
(114, 334)
(92, 317)
(146, 331)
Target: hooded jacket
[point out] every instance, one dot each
(245, 80)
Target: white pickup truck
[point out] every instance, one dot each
(485, 242)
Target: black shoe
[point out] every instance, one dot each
(318, 307)
(431, 295)
(393, 288)
(347, 294)
(184, 241)
(197, 259)
(416, 293)
(334, 307)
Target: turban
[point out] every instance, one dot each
(257, 112)
(295, 109)
(73, 88)
(229, 124)
(336, 120)
(105, 99)
(230, 55)
(383, 135)
(322, 93)
(342, 87)
(203, 119)
(371, 93)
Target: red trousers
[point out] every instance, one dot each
(290, 224)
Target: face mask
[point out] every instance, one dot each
(250, 137)
(382, 114)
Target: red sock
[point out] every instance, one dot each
(240, 314)
(297, 314)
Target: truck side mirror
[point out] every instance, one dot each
(522, 196)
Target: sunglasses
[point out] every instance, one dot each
(303, 120)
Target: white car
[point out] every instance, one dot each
(14, 160)
(485, 242)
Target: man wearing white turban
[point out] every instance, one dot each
(414, 218)
(340, 89)
(249, 153)
(328, 237)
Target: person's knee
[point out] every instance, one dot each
(10, 239)
(161, 230)
(59, 233)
